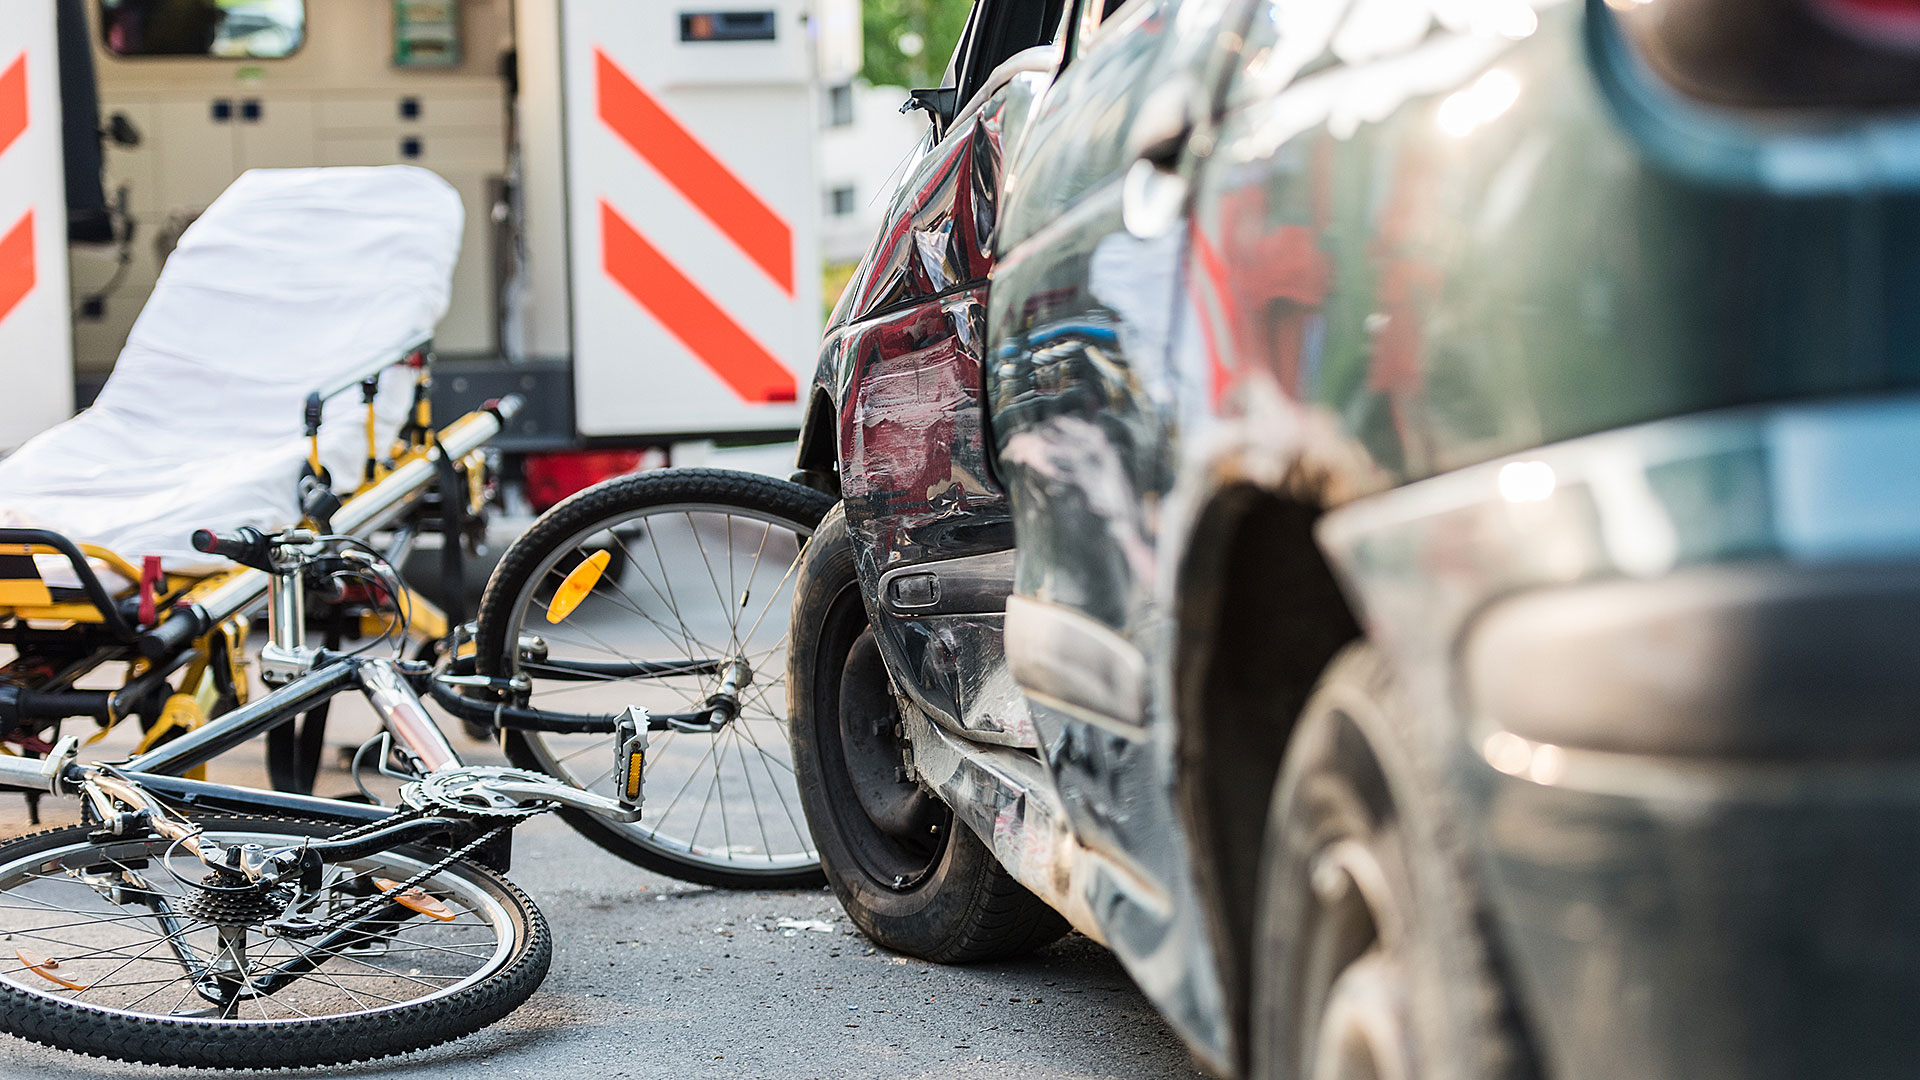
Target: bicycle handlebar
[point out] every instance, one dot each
(365, 512)
(247, 546)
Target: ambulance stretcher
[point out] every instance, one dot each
(278, 374)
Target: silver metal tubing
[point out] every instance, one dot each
(404, 715)
(377, 505)
(368, 371)
(373, 507)
(202, 796)
(223, 733)
(158, 819)
(29, 773)
(566, 795)
(287, 611)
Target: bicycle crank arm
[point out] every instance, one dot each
(565, 794)
(493, 791)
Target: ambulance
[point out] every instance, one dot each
(639, 257)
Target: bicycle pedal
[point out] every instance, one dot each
(630, 755)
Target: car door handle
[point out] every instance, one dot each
(1164, 124)
(1153, 194)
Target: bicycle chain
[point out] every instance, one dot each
(367, 906)
(401, 815)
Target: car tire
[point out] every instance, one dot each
(911, 877)
(1372, 957)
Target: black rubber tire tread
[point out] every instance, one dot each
(968, 909)
(606, 500)
(290, 1044)
(1462, 1011)
(999, 918)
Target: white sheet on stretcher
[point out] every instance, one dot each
(291, 281)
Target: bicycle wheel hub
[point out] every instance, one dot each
(224, 898)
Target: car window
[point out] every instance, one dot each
(1078, 142)
(1289, 39)
(1091, 16)
(1285, 39)
(999, 29)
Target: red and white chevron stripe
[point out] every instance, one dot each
(728, 204)
(17, 272)
(36, 329)
(691, 212)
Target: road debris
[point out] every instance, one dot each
(794, 926)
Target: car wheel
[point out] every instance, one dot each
(910, 877)
(1372, 961)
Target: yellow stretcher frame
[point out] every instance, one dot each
(26, 600)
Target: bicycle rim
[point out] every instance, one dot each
(686, 580)
(86, 924)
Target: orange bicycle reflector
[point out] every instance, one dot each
(636, 762)
(578, 584)
(415, 900)
(46, 967)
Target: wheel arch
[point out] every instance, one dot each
(1260, 616)
(817, 461)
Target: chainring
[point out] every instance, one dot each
(466, 790)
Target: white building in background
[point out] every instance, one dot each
(864, 143)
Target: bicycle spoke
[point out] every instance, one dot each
(750, 561)
(726, 601)
(765, 841)
(131, 963)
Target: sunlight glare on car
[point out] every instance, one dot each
(1467, 111)
(1526, 481)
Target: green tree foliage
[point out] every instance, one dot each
(892, 28)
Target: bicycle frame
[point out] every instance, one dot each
(389, 687)
(303, 678)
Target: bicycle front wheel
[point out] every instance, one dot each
(131, 949)
(696, 571)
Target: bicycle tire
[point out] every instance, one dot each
(57, 1019)
(600, 511)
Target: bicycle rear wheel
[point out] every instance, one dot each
(699, 566)
(120, 948)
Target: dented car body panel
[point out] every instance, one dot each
(904, 374)
(1596, 388)
(1538, 348)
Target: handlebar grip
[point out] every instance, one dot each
(212, 543)
(248, 546)
(176, 633)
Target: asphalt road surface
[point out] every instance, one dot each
(654, 978)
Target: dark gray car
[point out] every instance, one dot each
(1400, 519)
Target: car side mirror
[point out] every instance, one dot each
(939, 103)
